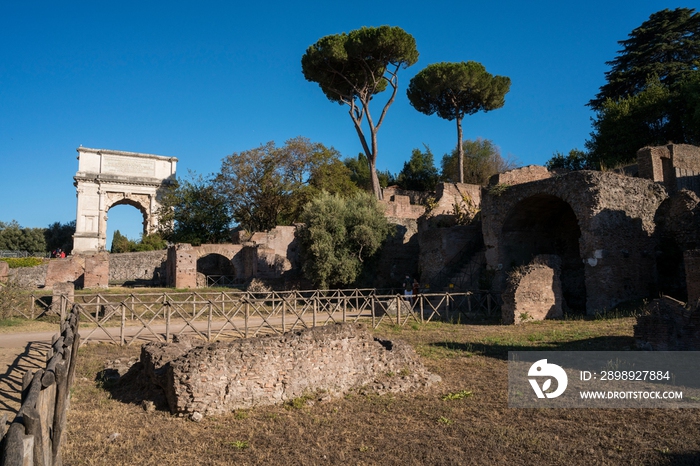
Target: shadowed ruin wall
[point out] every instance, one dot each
(600, 223)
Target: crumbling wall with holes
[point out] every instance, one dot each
(323, 361)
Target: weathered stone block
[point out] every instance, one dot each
(668, 326)
(534, 292)
(4, 271)
(96, 271)
(70, 269)
(521, 175)
(182, 266)
(221, 377)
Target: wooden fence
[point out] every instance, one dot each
(35, 435)
(125, 319)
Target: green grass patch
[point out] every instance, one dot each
(460, 395)
(11, 322)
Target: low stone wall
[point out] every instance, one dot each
(29, 277)
(534, 292)
(146, 266)
(221, 377)
(521, 175)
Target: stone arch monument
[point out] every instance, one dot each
(107, 178)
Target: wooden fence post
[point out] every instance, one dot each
(123, 325)
(167, 320)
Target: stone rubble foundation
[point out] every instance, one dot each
(328, 361)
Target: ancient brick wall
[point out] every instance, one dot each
(602, 225)
(668, 326)
(397, 206)
(146, 266)
(534, 292)
(438, 246)
(692, 274)
(449, 194)
(677, 166)
(399, 254)
(182, 266)
(520, 175)
(70, 269)
(96, 271)
(29, 277)
(4, 271)
(221, 377)
(416, 197)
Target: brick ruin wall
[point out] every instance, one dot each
(677, 166)
(449, 194)
(669, 325)
(221, 377)
(692, 274)
(439, 246)
(534, 292)
(399, 255)
(29, 277)
(146, 266)
(4, 271)
(609, 246)
(521, 175)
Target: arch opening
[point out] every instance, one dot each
(545, 224)
(217, 270)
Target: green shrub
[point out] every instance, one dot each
(16, 262)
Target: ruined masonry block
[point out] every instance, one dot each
(221, 377)
(668, 325)
(96, 271)
(692, 275)
(521, 175)
(534, 291)
(182, 264)
(4, 271)
(70, 269)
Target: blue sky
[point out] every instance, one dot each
(201, 80)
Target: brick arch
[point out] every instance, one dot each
(546, 224)
(615, 216)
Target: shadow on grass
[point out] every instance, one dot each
(132, 387)
(500, 351)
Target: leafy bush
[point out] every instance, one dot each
(17, 262)
(339, 236)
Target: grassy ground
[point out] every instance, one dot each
(464, 420)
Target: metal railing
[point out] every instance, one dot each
(7, 253)
(124, 319)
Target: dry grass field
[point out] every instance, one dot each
(464, 420)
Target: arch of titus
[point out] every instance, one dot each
(107, 178)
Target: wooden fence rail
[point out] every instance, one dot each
(125, 319)
(35, 435)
